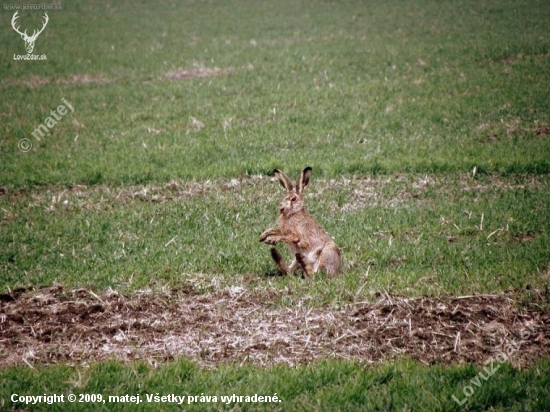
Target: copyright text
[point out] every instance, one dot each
(139, 398)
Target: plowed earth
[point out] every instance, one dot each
(51, 325)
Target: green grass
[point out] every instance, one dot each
(393, 104)
(411, 235)
(415, 87)
(325, 386)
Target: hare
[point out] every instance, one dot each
(312, 247)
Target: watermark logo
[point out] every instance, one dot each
(504, 355)
(29, 40)
(43, 129)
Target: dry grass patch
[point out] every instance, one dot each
(354, 194)
(196, 72)
(86, 79)
(200, 71)
(34, 81)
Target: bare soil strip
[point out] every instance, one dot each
(51, 325)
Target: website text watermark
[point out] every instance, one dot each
(27, 6)
(491, 366)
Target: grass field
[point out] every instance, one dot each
(427, 125)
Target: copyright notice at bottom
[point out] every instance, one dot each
(139, 398)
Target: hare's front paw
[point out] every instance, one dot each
(271, 239)
(268, 233)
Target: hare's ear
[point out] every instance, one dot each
(283, 179)
(303, 180)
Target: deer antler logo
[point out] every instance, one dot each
(29, 40)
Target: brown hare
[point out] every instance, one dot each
(312, 247)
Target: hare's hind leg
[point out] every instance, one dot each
(293, 267)
(329, 261)
(279, 261)
(305, 265)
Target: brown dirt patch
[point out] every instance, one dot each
(521, 56)
(51, 325)
(543, 131)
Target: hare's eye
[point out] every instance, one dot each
(293, 198)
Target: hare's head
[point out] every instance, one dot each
(294, 200)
